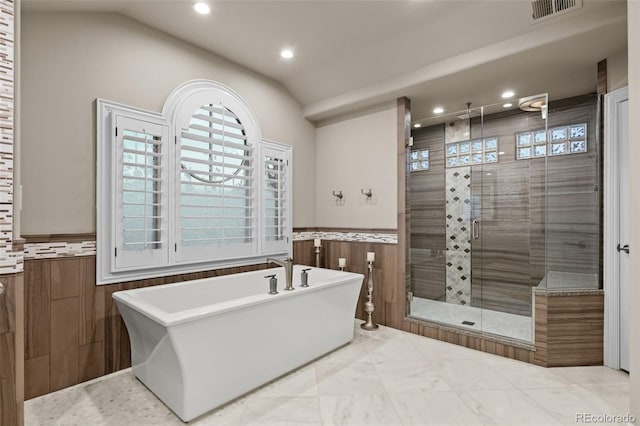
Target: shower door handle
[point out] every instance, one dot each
(475, 229)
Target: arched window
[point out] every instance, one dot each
(192, 188)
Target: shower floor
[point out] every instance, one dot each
(485, 320)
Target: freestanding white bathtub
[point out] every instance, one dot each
(199, 344)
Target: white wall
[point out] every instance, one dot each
(353, 154)
(634, 179)
(617, 70)
(70, 59)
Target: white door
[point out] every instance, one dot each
(623, 234)
(616, 229)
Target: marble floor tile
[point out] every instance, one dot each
(227, 415)
(348, 379)
(466, 374)
(507, 407)
(433, 408)
(436, 349)
(566, 403)
(356, 352)
(268, 411)
(411, 376)
(392, 349)
(525, 376)
(386, 377)
(594, 375)
(301, 382)
(358, 410)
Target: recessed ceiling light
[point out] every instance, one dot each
(501, 153)
(417, 125)
(507, 105)
(286, 53)
(438, 110)
(202, 8)
(507, 94)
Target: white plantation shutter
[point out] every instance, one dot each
(140, 222)
(217, 211)
(192, 188)
(276, 209)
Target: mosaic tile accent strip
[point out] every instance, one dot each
(59, 249)
(362, 237)
(88, 248)
(9, 258)
(562, 140)
(458, 235)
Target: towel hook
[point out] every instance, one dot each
(368, 193)
(338, 195)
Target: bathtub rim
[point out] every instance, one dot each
(169, 319)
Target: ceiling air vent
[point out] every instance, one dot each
(545, 9)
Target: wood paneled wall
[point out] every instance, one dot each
(73, 330)
(569, 329)
(384, 270)
(11, 350)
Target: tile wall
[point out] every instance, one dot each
(11, 279)
(509, 259)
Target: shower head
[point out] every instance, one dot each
(533, 103)
(469, 114)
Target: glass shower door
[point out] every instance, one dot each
(477, 243)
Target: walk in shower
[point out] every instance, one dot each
(502, 201)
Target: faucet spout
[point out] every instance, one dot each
(287, 264)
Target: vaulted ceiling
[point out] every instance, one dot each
(356, 54)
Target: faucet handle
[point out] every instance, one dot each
(273, 284)
(304, 278)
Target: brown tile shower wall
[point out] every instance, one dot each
(428, 212)
(510, 257)
(569, 329)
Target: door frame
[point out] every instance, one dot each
(611, 228)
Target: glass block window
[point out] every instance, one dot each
(466, 153)
(419, 160)
(561, 140)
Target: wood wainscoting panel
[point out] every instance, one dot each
(11, 350)
(67, 274)
(304, 252)
(569, 330)
(37, 276)
(92, 304)
(64, 343)
(36, 377)
(91, 361)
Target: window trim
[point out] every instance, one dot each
(106, 171)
